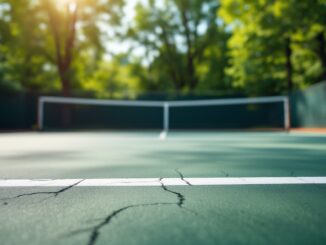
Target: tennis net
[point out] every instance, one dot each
(238, 113)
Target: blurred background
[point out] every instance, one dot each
(162, 50)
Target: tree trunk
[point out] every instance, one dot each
(322, 52)
(64, 47)
(172, 60)
(289, 67)
(66, 109)
(191, 70)
(64, 79)
(192, 73)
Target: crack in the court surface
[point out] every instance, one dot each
(53, 193)
(182, 177)
(95, 230)
(181, 198)
(225, 173)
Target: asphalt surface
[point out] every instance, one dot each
(258, 214)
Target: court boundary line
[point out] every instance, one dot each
(152, 182)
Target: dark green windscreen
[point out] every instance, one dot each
(17, 111)
(59, 116)
(308, 107)
(228, 117)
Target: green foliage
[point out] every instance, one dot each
(255, 47)
(21, 61)
(37, 33)
(113, 79)
(183, 41)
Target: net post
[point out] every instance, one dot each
(40, 112)
(287, 115)
(166, 117)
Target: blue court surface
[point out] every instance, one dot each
(144, 188)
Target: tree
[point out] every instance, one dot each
(270, 43)
(63, 26)
(176, 34)
(20, 36)
(113, 79)
(73, 26)
(42, 35)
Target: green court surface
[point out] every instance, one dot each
(160, 213)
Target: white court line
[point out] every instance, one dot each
(165, 181)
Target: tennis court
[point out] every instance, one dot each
(154, 122)
(135, 188)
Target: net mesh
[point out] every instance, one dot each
(61, 116)
(228, 117)
(131, 115)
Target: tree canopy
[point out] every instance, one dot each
(120, 48)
